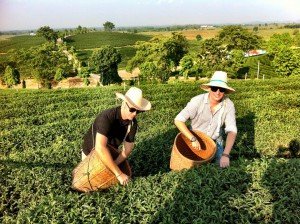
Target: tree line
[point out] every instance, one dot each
(158, 59)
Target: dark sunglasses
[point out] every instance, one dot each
(215, 89)
(132, 110)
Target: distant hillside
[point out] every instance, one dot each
(98, 39)
(124, 42)
(18, 42)
(83, 43)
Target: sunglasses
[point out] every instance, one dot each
(132, 110)
(215, 89)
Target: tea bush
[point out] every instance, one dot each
(41, 135)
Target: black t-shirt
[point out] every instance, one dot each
(110, 124)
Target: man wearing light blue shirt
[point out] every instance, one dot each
(208, 113)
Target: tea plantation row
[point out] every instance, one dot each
(41, 135)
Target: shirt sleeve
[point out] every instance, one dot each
(190, 111)
(230, 120)
(131, 135)
(103, 124)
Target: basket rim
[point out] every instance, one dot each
(198, 133)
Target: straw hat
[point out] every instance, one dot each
(135, 98)
(219, 79)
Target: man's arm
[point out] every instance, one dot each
(230, 139)
(127, 149)
(183, 129)
(106, 158)
(186, 132)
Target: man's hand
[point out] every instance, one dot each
(196, 144)
(123, 179)
(224, 162)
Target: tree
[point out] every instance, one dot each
(212, 55)
(279, 41)
(297, 39)
(190, 66)
(108, 26)
(236, 63)
(198, 37)
(11, 76)
(45, 61)
(48, 33)
(85, 74)
(105, 62)
(236, 37)
(20, 59)
(158, 57)
(287, 62)
(60, 74)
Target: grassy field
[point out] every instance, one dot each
(124, 42)
(41, 135)
(18, 42)
(189, 34)
(126, 52)
(265, 33)
(98, 39)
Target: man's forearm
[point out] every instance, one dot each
(229, 142)
(108, 161)
(127, 149)
(183, 129)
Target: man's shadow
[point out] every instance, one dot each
(245, 142)
(282, 180)
(152, 156)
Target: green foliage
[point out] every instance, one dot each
(296, 40)
(278, 42)
(20, 58)
(108, 26)
(11, 76)
(59, 75)
(45, 61)
(236, 62)
(84, 72)
(239, 38)
(86, 81)
(158, 57)
(105, 62)
(212, 55)
(40, 146)
(263, 63)
(198, 37)
(287, 62)
(48, 33)
(190, 66)
(295, 32)
(255, 29)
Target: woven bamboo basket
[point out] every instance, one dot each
(91, 174)
(184, 156)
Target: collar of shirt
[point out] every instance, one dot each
(219, 106)
(119, 117)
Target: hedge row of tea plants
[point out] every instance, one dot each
(41, 135)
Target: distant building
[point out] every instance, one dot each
(32, 34)
(206, 27)
(255, 53)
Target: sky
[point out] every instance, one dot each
(32, 14)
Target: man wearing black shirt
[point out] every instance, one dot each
(116, 126)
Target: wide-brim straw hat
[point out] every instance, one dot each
(219, 79)
(134, 96)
